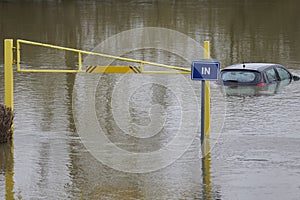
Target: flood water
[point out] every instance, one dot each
(56, 152)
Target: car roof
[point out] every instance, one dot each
(250, 66)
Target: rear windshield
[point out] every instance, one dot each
(239, 76)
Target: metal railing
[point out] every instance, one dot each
(141, 63)
(9, 62)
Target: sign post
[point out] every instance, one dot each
(205, 70)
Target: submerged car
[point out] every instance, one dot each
(255, 78)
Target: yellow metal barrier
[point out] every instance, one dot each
(94, 69)
(114, 69)
(181, 70)
(9, 95)
(127, 70)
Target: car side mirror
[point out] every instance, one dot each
(296, 78)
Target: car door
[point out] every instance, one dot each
(271, 75)
(283, 73)
(285, 76)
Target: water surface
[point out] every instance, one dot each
(256, 155)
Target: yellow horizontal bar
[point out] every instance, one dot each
(114, 69)
(164, 72)
(50, 70)
(48, 45)
(104, 55)
(167, 66)
(126, 70)
(100, 69)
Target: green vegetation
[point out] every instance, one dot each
(6, 122)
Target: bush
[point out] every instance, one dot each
(6, 122)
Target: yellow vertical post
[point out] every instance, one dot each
(207, 94)
(79, 62)
(9, 102)
(206, 145)
(18, 56)
(8, 74)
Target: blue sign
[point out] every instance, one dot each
(205, 70)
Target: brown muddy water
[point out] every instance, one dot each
(89, 136)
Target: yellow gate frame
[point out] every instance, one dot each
(9, 89)
(9, 62)
(116, 69)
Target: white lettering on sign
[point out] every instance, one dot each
(205, 70)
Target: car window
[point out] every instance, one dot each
(283, 74)
(238, 76)
(271, 75)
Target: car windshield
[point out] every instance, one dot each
(239, 76)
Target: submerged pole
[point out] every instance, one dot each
(207, 93)
(7, 112)
(205, 100)
(8, 74)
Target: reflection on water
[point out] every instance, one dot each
(259, 145)
(270, 89)
(7, 170)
